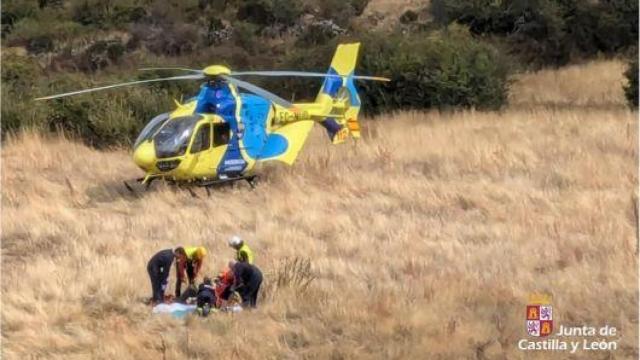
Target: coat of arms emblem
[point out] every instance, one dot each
(539, 316)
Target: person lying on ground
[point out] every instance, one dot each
(206, 298)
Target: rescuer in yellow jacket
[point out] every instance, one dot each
(243, 253)
(192, 266)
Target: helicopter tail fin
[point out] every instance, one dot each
(340, 97)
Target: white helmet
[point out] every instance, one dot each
(235, 241)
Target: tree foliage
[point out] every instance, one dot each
(547, 31)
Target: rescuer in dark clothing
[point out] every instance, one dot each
(247, 281)
(158, 268)
(206, 298)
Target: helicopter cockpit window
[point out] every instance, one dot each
(151, 128)
(202, 139)
(221, 134)
(173, 138)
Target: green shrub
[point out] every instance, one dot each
(40, 44)
(547, 31)
(101, 54)
(445, 69)
(631, 89)
(269, 12)
(106, 14)
(340, 11)
(166, 39)
(40, 34)
(105, 118)
(87, 13)
(244, 36)
(19, 72)
(318, 33)
(255, 12)
(359, 6)
(218, 5)
(286, 12)
(50, 3)
(408, 17)
(19, 82)
(15, 10)
(100, 119)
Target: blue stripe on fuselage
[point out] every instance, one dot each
(254, 113)
(217, 98)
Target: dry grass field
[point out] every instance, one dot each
(593, 84)
(425, 238)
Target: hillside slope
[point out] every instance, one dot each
(424, 239)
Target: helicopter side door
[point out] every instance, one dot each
(232, 163)
(203, 156)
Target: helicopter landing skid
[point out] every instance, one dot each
(251, 180)
(138, 180)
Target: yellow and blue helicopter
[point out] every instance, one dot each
(221, 134)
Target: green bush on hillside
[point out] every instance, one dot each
(19, 77)
(42, 34)
(547, 32)
(107, 14)
(445, 69)
(100, 119)
(341, 11)
(15, 10)
(113, 116)
(101, 54)
(269, 12)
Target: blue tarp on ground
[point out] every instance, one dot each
(175, 309)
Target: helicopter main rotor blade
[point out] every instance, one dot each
(195, 71)
(183, 77)
(258, 91)
(305, 74)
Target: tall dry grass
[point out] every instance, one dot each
(425, 239)
(594, 83)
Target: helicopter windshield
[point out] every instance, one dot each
(173, 138)
(151, 128)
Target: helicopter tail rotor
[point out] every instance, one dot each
(339, 95)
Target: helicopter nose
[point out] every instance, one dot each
(145, 156)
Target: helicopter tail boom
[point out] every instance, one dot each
(339, 97)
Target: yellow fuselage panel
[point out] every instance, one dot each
(145, 156)
(200, 165)
(184, 109)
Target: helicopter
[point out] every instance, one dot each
(221, 134)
